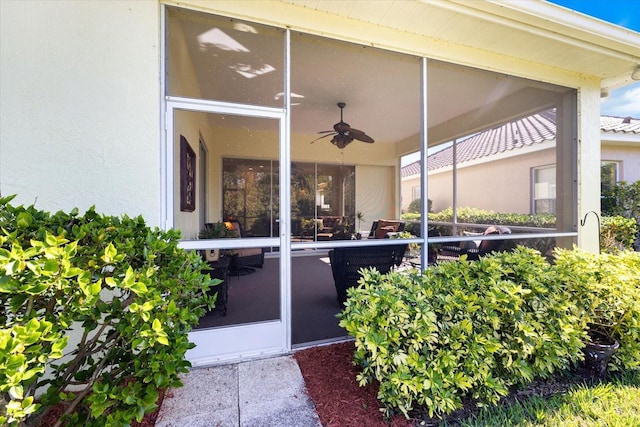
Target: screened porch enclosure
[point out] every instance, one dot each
(252, 101)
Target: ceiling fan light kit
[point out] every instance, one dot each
(343, 134)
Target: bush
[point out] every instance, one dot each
(481, 216)
(617, 233)
(415, 205)
(622, 200)
(410, 216)
(126, 292)
(607, 288)
(462, 330)
(413, 227)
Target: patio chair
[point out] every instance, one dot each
(383, 228)
(244, 260)
(473, 252)
(347, 262)
(329, 226)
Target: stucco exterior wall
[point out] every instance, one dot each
(500, 186)
(80, 110)
(406, 191)
(628, 156)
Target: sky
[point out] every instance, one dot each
(624, 101)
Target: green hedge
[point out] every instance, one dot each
(481, 216)
(471, 330)
(616, 232)
(462, 330)
(607, 288)
(129, 293)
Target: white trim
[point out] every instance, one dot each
(285, 199)
(239, 343)
(220, 107)
(619, 138)
(424, 173)
(163, 120)
(577, 24)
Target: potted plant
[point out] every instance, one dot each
(360, 218)
(607, 288)
(598, 351)
(213, 230)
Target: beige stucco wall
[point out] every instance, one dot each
(406, 190)
(80, 108)
(628, 156)
(502, 185)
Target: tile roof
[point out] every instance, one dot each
(521, 133)
(620, 124)
(411, 169)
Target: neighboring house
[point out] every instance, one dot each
(523, 151)
(189, 112)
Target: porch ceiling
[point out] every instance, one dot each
(461, 100)
(535, 31)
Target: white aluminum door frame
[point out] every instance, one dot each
(250, 340)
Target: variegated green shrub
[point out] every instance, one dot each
(607, 287)
(462, 330)
(129, 293)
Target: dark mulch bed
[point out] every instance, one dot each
(330, 378)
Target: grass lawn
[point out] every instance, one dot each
(614, 402)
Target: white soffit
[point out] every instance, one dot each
(531, 30)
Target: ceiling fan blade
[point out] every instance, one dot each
(343, 133)
(360, 135)
(323, 136)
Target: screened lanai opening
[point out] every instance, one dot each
(291, 196)
(343, 183)
(500, 163)
(380, 91)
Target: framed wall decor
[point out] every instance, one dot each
(187, 176)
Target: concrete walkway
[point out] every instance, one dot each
(260, 393)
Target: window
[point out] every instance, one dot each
(415, 193)
(318, 192)
(250, 194)
(608, 180)
(608, 176)
(544, 190)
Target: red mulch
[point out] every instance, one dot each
(330, 377)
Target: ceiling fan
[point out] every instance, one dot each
(343, 134)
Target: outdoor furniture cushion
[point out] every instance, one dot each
(245, 257)
(381, 228)
(453, 252)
